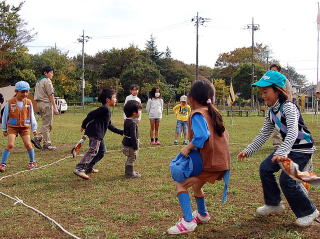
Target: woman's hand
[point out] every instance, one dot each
(277, 158)
(241, 156)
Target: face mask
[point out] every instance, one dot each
(157, 94)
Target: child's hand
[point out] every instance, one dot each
(5, 133)
(277, 158)
(35, 133)
(185, 151)
(241, 156)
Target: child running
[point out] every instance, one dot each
(154, 109)
(208, 134)
(182, 112)
(297, 145)
(18, 118)
(95, 126)
(130, 142)
(134, 91)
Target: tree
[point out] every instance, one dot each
(152, 49)
(293, 76)
(222, 90)
(13, 37)
(242, 79)
(168, 53)
(184, 86)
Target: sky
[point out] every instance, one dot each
(288, 27)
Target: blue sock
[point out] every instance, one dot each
(31, 155)
(5, 156)
(185, 204)
(201, 205)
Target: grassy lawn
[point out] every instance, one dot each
(110, 206)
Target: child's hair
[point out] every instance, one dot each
(276, 66)
(106, 94)
(132, 106)
(283, 93)
(46, 69)
(153, 92)
(203, 92)
(134, 86)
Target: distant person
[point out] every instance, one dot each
(132, 110)
(154, 108)
(209, 136)
(276, 137)
(134, 91)
(44, 96)
(182, 111)
(95, 126)
(18, 118)
(298, 145)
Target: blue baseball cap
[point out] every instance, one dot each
(271, 78)
(22, 85)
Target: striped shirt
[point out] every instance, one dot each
(291, 115)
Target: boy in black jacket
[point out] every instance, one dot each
(132, 110)
(95, 126)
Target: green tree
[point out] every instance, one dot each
(242, 79)
(222, 90)
(184, 86)
(293, 76)
(152, 50)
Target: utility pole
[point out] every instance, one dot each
(253, 27)
(82, 40)
(198, 21)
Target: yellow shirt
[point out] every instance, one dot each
(182, 112)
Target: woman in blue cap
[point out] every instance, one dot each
(18, 118)
(297, 145)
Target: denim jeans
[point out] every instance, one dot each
(292, 190)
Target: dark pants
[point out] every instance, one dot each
(292, 190)
(94, 154)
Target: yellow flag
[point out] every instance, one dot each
(232, 96)
(303, 100)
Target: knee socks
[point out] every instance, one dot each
(185, 204)
(201, 206)
(5, 156)
(31, 155)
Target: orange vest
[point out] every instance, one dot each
(215, 153)
(19, 117)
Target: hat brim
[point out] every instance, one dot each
(21, 89)
(262, 83)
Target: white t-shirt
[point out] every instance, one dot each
(131, 97)
(155, 108)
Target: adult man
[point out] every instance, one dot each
(44, 96)
(276, 136)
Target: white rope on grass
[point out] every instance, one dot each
(18, 200)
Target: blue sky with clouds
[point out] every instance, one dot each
(287, 27)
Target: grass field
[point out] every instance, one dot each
(110, 206)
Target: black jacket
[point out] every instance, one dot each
(97, 122)
(131, 134)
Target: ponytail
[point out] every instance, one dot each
(217, 121)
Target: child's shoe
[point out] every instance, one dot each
(182, 227)
(130, 173)
(185, 142)
(91, 170)
(267, 210)
(175, 142)
(153, 143)
(31, 165)
(37, 142)
(3, 167)
(199, 218)
(81, 173)
(157, 142)
(307, 220)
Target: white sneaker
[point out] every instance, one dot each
(307, 220)
(199, 218)
(182, 227)
(267, 210)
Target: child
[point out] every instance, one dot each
(154, 109)
(297, 144)
(182, 112)
(134, 91)
(208, 134)
(18, 118)
(130, 142)
(95, 126)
